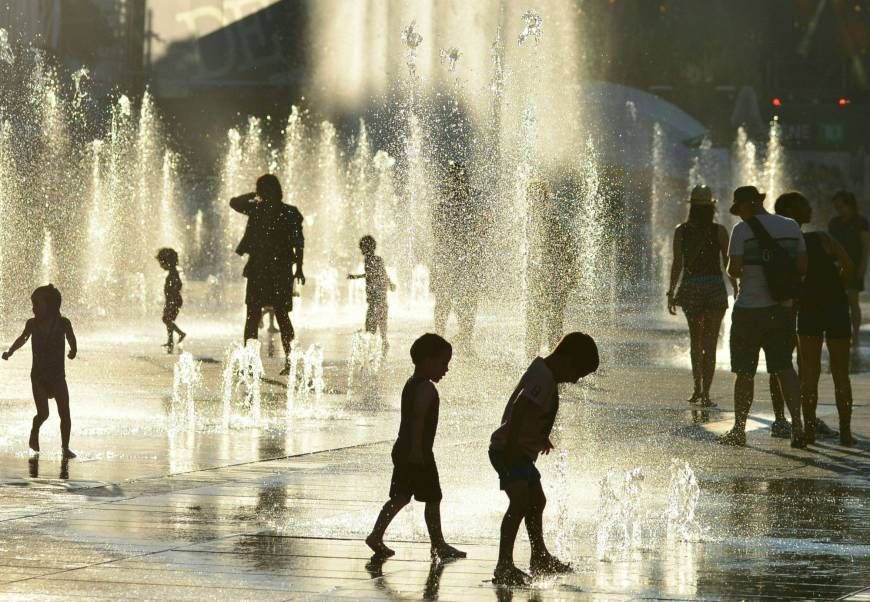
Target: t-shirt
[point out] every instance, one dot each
(419, 395)
(172, 288)
(539, 386)
(753, 291)
(377, 279)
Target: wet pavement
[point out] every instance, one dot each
(157, 508)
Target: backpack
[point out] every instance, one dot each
(780, 270)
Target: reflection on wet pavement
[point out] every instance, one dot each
(158, 508)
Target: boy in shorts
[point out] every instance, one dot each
(524, 433)
(414, 471)
(377, 284)
(168, 259)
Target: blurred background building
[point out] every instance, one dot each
(724, 62)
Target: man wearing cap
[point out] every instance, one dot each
(758, 320)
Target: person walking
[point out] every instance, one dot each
(823, 314)
(852, 231)
(768, 255)
(700, 251)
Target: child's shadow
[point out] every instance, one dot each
(375, 568)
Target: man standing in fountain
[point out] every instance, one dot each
(768, 255)
(552, 269)
(458, 234)
(274, 244)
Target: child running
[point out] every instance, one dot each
(524, 433)
(168, 259)
(47, 376)
(377, 283)
(414, 470)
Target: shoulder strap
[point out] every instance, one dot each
(761, 233)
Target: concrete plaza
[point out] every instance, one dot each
(156, 508)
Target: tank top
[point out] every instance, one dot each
(700, 250)
(402, 447)
(822, 286)
(48, 350)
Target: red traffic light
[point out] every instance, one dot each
(843, 102)
(776, 101)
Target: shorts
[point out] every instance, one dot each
(376, 315)
(754, 329)
(271, 290)
(50, 387)
(832, 321)
(698, 294)
(419, 481)
(170, 312)
(523, 470)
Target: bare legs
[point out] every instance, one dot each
(432, 515)
(172, 328)
(811, 361)
(744, 388)
(376, 320)
(252, 325)
(855, 314)
(704, 336)
(465, 308)
(526, 501)
(41, 396)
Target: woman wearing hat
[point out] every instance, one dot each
(700, 250)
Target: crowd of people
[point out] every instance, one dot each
(792, 289)
(796, 290)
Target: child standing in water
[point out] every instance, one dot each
(414, 470)
(377, 283)
(514, 447)
(168, 259)
(47, 376)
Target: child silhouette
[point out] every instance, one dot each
(168, 259)
(377, 283)
(415, 473)
(48, 328)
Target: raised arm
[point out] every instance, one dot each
(676, 268)
(71, 339)
(16, 345)
(244, 204)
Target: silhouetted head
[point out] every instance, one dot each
(168, 258)
(747, 202)
(269, 188)
(794, 205)
(845, 203)
(46, 301)
(574, 357)
(367, 244)
(431, 355)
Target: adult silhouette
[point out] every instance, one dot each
(274, 244)
(457, 263)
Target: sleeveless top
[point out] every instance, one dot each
(48, 350)
(402, 447)
(700, 250)
(822, 286)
